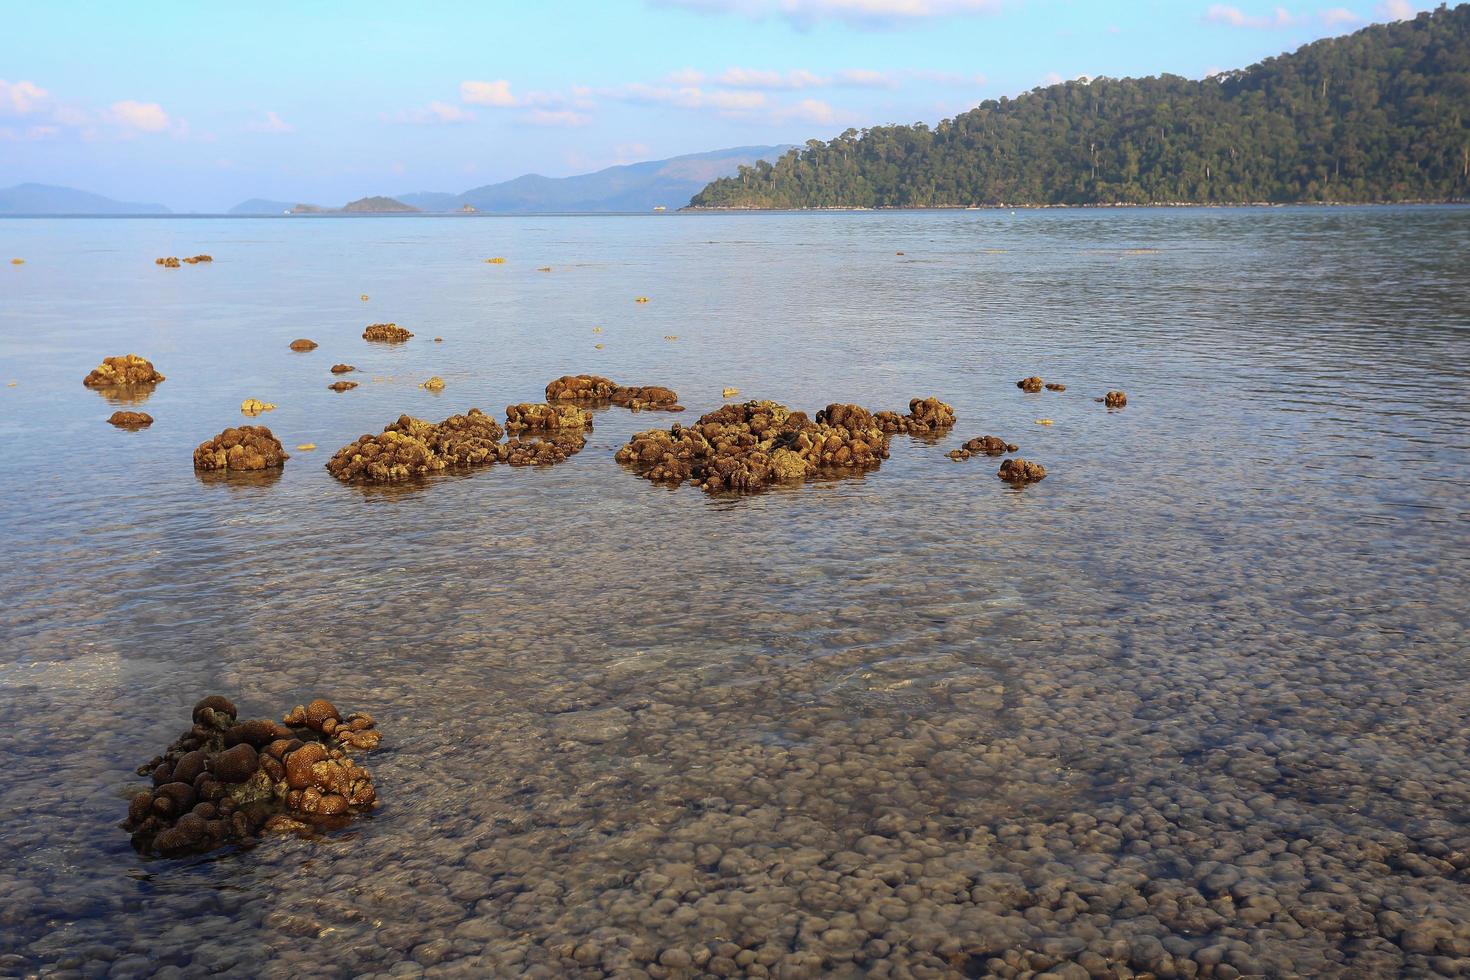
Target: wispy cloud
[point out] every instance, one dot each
(1338, 17)
(22, 98)
(1396, 10)
(272, 123)
(139, 117)
(1230, 16)
(496, 93)
(561, 118)
(870, 13)
(436, 113)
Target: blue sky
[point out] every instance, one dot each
(199, 106)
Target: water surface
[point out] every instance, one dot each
(1195, 704)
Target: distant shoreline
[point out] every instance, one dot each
(725, 209)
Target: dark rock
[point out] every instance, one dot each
(1020, 471)
(130, 420)
(983, 445)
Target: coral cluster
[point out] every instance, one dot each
(926, 417)
(388, 333)
(248, 447)
(1114, 399)
(302, 344)
(342, 368)
(594, 389)
(757, 444)
(983, 446)
(340, 386)
(225, 780)
(410, 448)
(173, 261)
(1032, 383)
(541, 415)
(128, 369)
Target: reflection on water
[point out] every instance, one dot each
(125, 394)
(1195, 704)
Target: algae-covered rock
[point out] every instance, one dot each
(246, 447)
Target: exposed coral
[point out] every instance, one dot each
(342, 368)
(128, 369)
(1114, 399)
(302, 344)
(225, 781)
(410, 448)
(554, 447)
(435, 383)
(248, 447)
(1019, 471)
(171, 262)
(983, 446)
(1054, 386)
(540, 415)
(254, 406)
(196, 259)
(1032, 383)
(926, 417)
(387, 333)
(757, 444)
(593, 389)
(342, 385)
(131, 420)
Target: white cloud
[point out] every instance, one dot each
(1235, 17)
(870, 12)
(1396, 10)
(434, 114)
(864, 78)
(22, 98)
(9, 134)
(689, 97)
(142, 117)
(685, 76)
(560, 118)
(272, 123)
(813, 111)
(495, 93)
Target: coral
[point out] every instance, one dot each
(342, 385)
(128, 369)
(983, 445)
(342, 368)
(472, 439)
(1032, 383)
(435, 383)
(926, 417)
(1020, 471)
(302, 344)
(387, 333)
(225, 781)
(597, 390)
(131, 420)
(540, 415)
(196, 259)
(554, 447)
(1114, 399)
(750, 446)
(254, 406)
(410, 448)
(1054, 386)
(171, 262)
(249, 447)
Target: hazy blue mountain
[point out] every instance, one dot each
(46, 199)
(257, 205)
(630, 187)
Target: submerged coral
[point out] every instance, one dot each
(127, 369)
(131, 420)
(387, 333)
(248, 447)
(225, 781)
(983, 446)
(757, 444)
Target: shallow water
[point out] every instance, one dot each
(1196, 704)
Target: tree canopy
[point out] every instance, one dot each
(1382, 114)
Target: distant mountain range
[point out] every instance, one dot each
(47, 199)
(630, 187)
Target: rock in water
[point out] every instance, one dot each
(593, 389)
(224, 781)
(302, 344)
(248, 447)
(983, 445)
(128, 369)
(926, 417)
(1032, 383)
(1021, 471)
(1114, 399)
(131, 420)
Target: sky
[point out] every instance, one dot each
(200, 106)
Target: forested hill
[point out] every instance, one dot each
(1379, 115)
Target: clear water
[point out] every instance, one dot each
(1196, 703)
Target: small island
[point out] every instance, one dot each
(366, 205)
